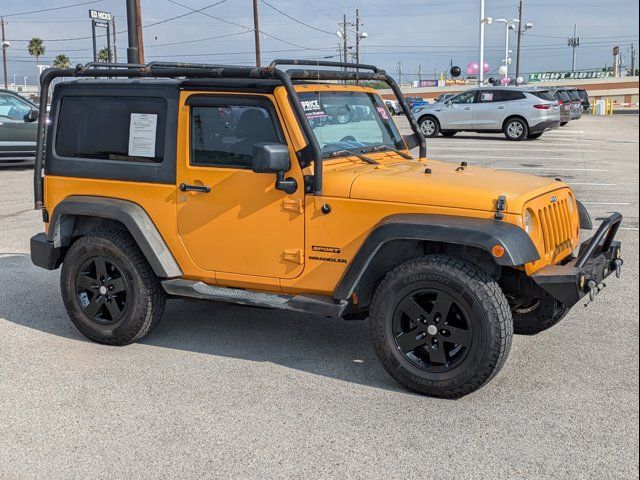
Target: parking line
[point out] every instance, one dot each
(594, 184)
(606, 203)
(555, 150)
(491, 157)
(554, 169)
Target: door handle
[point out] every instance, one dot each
(194, 188)
(500, 108)
(467, 108)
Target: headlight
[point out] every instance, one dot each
(529, 222)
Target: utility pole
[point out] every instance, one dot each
(419, 74)
(399, 72)
(4, 55)
(345, 46)
(133, 55)
(139, 33)
(574, 42)
(520, 8)
(115, 46)
(357, 34)
(256, 32)
(633, 60)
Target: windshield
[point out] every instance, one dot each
(350, 121)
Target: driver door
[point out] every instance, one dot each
(457, 113)
(242, 225)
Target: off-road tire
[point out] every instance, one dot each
(547, 315)
(448, 133)
(491, 325)
(436, 126)
(534, 136)
(515, 123)
(146, 297)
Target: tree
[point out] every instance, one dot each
(61, 61)
(104, 54)
(36, 48)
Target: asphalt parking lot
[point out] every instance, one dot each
(232, 392)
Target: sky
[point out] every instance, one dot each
(426, 35)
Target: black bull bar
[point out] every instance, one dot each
(597, 258)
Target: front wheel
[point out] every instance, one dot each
(516, 129)
(440, 326)
(109, 289)
(429, 126)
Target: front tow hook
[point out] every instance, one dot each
(617, 265)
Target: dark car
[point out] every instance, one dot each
(576, 103)
(564, 102)
(18, 129)
(584, 97)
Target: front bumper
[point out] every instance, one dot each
(545, 126)
(598, 258)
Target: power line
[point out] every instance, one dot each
(52, 9)
(296, 20)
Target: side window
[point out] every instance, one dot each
(466, 97)
(125, 129)
(224, 135)
(12, 107)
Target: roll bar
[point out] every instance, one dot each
(204, 70)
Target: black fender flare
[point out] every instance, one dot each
(131, 215)
(473, 232)
(585, 218)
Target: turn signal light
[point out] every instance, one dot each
(498, 251)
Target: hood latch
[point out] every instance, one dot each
(501, 206)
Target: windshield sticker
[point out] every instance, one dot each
(383, 113)
(312, 108)
(487, 97)
(142, 135)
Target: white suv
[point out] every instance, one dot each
(518, 112)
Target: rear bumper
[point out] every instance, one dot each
(44, 254)
(545, 126)
(598, 258)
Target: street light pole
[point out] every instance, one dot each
(482, 22)
(132, 32)
(5, 45)
(520, 8)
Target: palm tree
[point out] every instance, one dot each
(36, 48)
(61, 61)
(104, 54)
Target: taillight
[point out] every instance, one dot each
(545, 106)
(560, 102)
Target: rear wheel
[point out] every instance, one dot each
(429, 126)
(448, 133)
(516, 129)
(109, 289)
(440, 326)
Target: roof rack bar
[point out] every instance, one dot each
(324, 63)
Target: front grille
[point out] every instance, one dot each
(557, 228)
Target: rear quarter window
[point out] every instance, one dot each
(111, 128)
(544, 95)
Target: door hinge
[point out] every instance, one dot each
(294, 255)
(293, 205)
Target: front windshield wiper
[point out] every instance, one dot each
(340, 153)
(382, 148)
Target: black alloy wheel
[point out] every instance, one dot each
(431, 329)
(102, 290)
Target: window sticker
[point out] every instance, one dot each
(142, 135)
(487, 97)
(383, 112)
(312, 108)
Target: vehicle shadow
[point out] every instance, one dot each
(333, 348)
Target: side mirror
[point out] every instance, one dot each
(274, 158)
(32, 116)
(271, 158)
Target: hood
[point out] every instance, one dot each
(448, 185)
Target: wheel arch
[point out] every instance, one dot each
(77, 216)
(399, 238)
(512, 116)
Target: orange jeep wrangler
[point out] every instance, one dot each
(295, 190)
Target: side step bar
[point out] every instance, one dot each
(314, 304)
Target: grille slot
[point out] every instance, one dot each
(555, 222)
